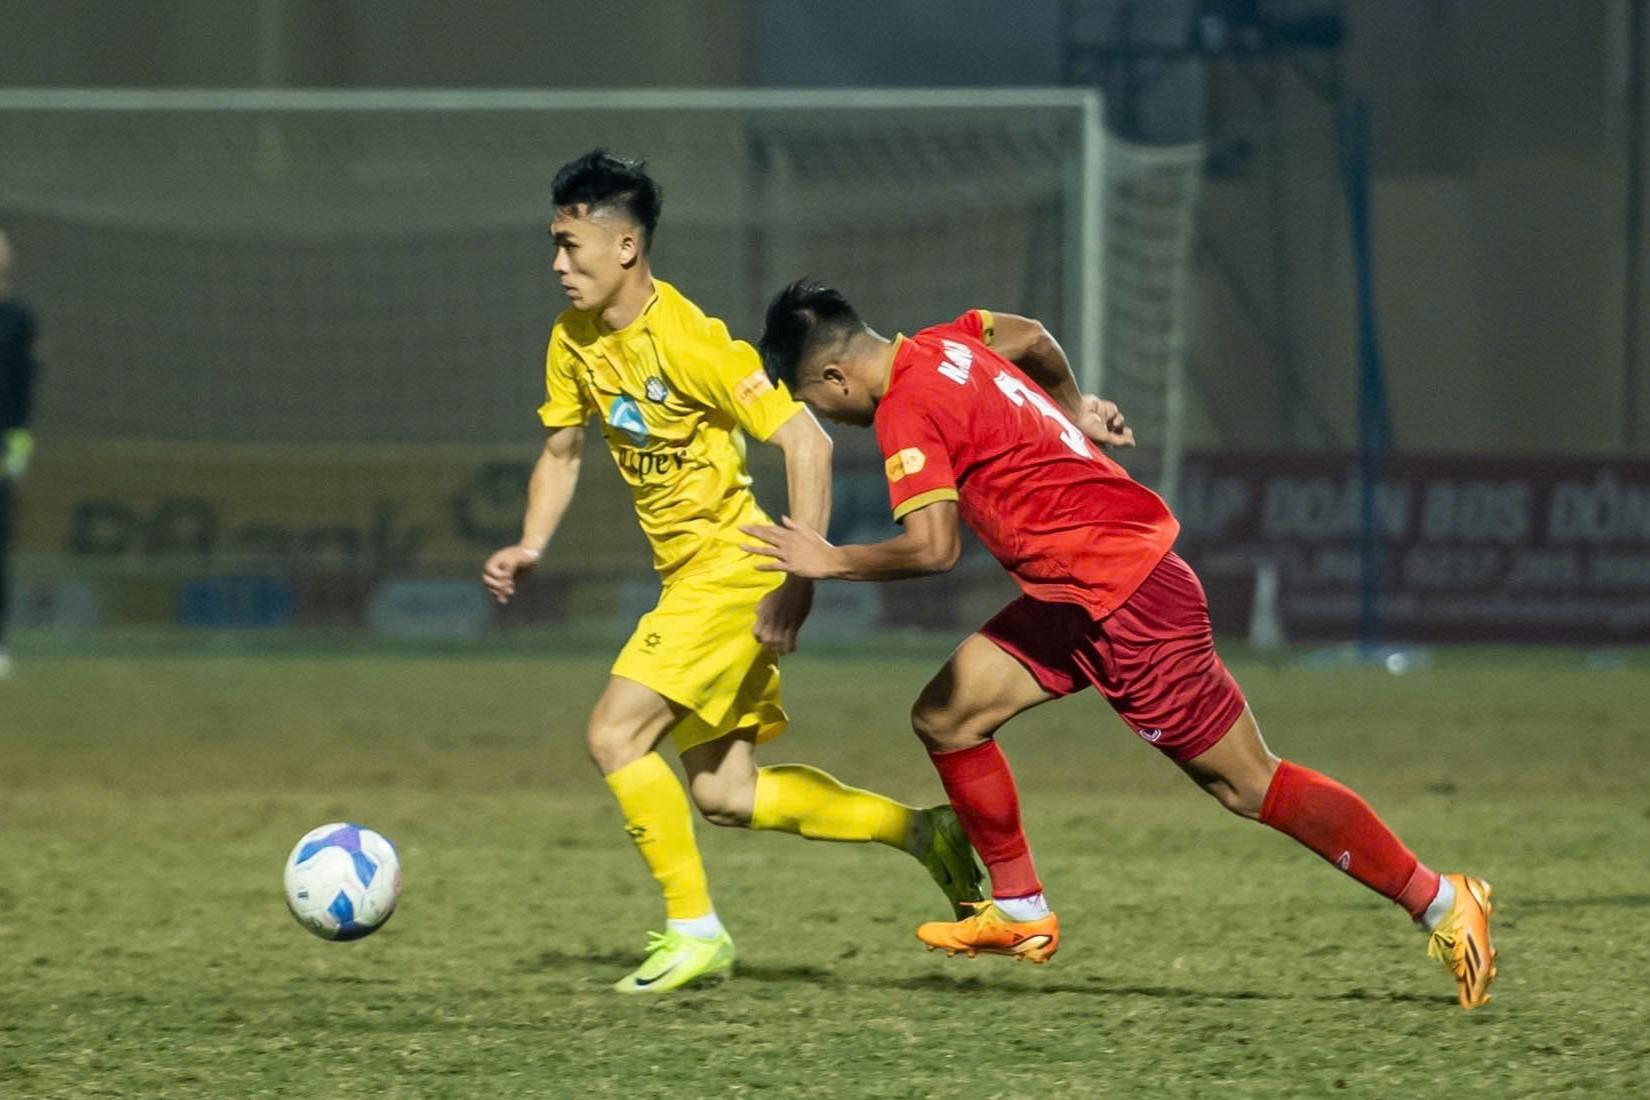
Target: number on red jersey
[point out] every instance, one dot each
(1021, 394)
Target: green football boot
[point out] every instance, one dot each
(942, 846)
(673, 960)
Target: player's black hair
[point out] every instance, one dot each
(803, 319)
(601, 180)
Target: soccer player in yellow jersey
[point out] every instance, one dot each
(676, 396)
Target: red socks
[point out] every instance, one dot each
(1339, 826)
(981, 789)
(1312, 808)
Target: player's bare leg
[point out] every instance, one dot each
(957, 715)
(627, 722)
(1245, 777)
(730, 789)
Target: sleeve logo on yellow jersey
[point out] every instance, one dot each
(909, 461)
(755, 385)
(656, 389)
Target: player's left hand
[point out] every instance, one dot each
(16, 448)
(780, 615)
(1103, 422)
(795, 549)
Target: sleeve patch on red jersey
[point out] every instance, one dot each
(911, 460)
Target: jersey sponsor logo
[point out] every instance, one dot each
(959, 359)
(625, 417)
(908, 461)
(656, 389)
(754, 385)
(649, 463)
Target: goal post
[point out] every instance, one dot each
(299, 333)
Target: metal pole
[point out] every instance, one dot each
(1632, 281)
(1091, 286)
(1374, 420)
(1279, 214)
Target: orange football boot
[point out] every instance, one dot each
(986, 931)
(1462, 941)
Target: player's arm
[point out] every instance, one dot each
(549, 492)
(16, 392)
(930, 543)
(807, 451)
(1033, 348)
(1024, 342)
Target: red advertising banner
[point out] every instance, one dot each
(1472, 548)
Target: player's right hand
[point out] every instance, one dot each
(1102, 421)
(499, 574)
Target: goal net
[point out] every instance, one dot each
(1151, 194)
(297, 337)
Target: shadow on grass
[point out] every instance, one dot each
(975, 984)
(1602, 901)
(760, 972)
(1375, 996)
(558, 960)
(972, 984)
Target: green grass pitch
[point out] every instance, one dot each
(147, 802)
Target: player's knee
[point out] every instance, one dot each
(926, 724)
(1241, 798)
(721, 801)
(940, 730)
(612, 747)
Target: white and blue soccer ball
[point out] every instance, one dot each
(342, 881)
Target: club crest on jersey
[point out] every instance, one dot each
(908, 461)
(656, 389)
(625, 416)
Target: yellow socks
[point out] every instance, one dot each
(795, 798)
(657, 819)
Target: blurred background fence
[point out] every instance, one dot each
(293, 335)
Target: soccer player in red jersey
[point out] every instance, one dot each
(980, 421)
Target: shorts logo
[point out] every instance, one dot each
(1345, 861)
(909, 461)
(656, 389)
(651, 642)
(755, 385)
(1152, 735)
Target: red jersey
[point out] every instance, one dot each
(960, 422)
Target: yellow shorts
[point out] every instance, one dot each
(697, 649)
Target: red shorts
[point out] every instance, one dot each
(1153, 658)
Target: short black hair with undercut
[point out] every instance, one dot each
(803, 319)
(602, 181)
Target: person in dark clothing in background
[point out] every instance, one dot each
(17, 369)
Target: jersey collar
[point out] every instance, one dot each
(898, 345)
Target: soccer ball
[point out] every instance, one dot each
(342, 881)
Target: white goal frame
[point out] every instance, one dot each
(1082, 293)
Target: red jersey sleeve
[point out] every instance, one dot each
(915, 459)
(975, 323)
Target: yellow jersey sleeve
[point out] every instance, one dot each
(720, 372)
(563, 404)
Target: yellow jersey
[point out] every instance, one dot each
(676, 395)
